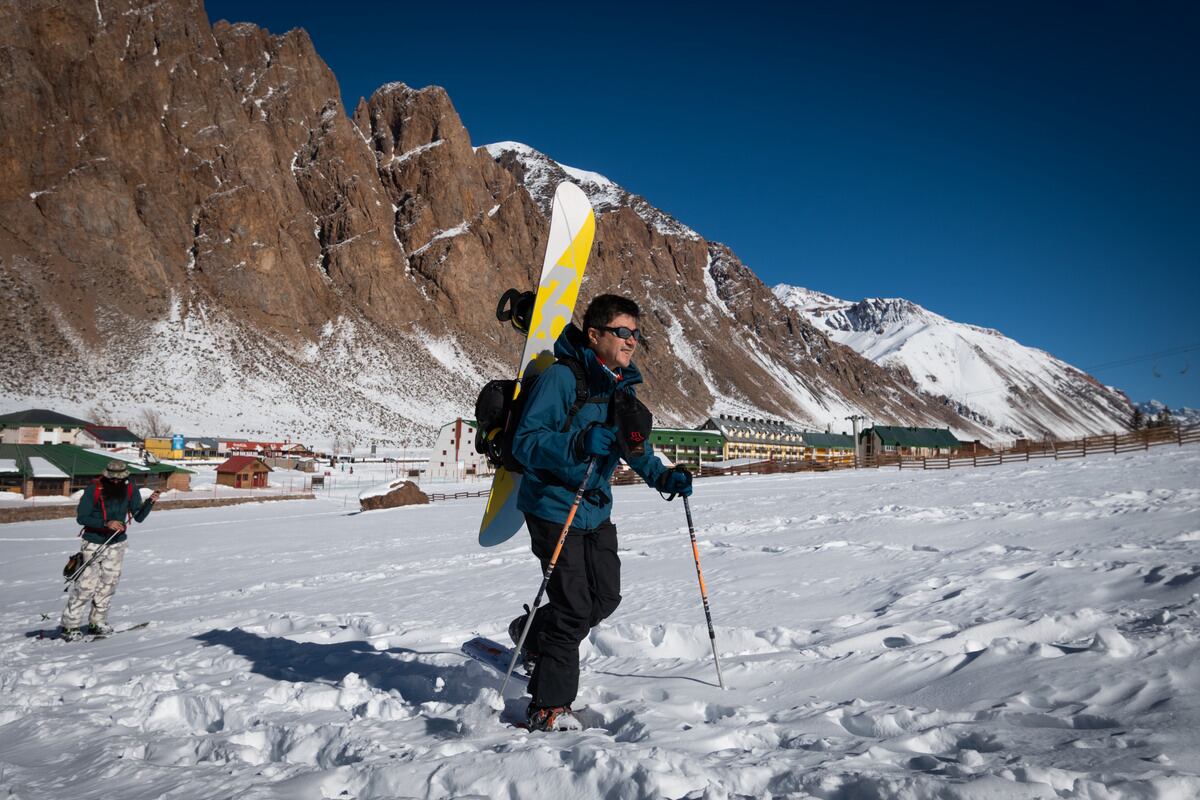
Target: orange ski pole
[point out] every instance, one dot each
(712, 636)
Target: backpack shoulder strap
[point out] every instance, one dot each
(581, 390)
(97, 497)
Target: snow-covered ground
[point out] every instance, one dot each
(1010, 632)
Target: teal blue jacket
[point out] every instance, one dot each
(92, 514)
(553, 467)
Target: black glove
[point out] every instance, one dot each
(595, 442)
(675, 481)
(634, 421)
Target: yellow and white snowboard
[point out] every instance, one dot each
(572, 228)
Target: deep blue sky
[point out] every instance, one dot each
(1027, 166)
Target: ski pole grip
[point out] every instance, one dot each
(678, 468)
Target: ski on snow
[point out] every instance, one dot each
(54, 633)
(492, 654)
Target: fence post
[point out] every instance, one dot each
(1114, 444)
(1179, 434)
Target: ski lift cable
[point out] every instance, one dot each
(1145, 357)
(1121, 362)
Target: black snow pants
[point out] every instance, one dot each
(584, 589)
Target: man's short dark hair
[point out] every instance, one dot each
(605, 308)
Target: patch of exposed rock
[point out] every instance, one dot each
(398, 493)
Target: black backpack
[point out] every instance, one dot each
(497, 414)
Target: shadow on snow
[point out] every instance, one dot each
(395, 669)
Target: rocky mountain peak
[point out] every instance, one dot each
(1001, 384)
(540, 174)
(187, 206)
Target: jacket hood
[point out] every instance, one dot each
(572, 344)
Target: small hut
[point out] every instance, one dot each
(243, 472)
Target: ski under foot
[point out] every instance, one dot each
(54, 633)
(495, 655)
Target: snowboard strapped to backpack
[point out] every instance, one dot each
(498, 413)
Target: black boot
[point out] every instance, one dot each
(528, 655)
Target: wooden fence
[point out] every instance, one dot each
(1031, 451)
(1058, 450)
(67, 510)
(457, 495)
(1026, 452)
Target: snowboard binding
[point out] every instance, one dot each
(516, 307)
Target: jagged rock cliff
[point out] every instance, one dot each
(189, 220)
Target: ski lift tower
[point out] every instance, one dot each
(855, 419)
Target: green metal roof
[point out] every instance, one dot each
(41, 416)
(915, 437)
(75, 461)
(672, 435)
(829, 441)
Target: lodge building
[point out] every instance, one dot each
(46, 470)
(747, 437)
(884, 440)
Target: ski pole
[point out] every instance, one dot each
(712, 636)
(95, 555)
(562, 538)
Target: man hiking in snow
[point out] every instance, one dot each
(104, 511)
(556, 448)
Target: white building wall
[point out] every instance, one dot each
(453, 457)
(36, 434)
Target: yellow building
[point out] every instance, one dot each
(746, 437)
(165, 446)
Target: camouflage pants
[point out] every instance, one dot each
(96, 585)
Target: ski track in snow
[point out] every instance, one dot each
(1010, 632)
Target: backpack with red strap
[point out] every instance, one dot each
(98, 497)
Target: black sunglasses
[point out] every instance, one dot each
(622, 332)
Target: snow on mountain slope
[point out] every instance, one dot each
(543, 174)
(1152, 409)
(222, 375)
(1008, 387)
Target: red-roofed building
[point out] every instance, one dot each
(267, 449)
(243, 472)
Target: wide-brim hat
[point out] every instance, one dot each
(116, 471)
